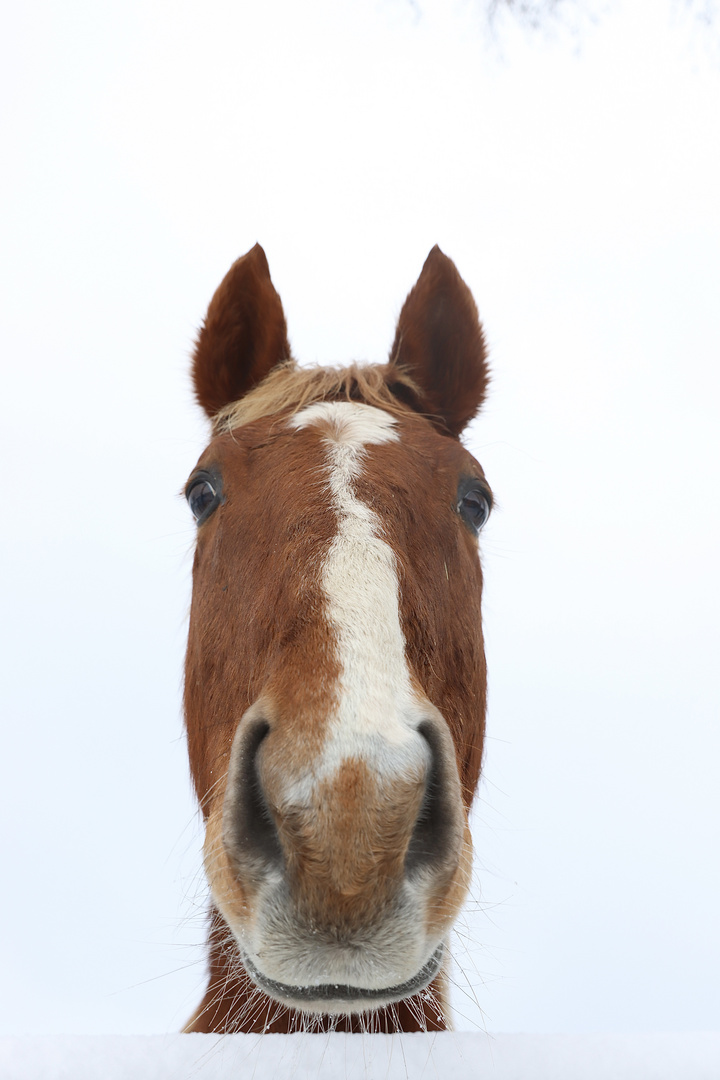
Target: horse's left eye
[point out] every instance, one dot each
(202, 498)
(474, 506)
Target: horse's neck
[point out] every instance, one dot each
(232, 1003)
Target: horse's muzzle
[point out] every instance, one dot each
(341, 883)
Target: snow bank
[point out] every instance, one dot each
(459, 1056)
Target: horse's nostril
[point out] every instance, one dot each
(436, 836)
(249, 830)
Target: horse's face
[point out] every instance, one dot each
(335, 675)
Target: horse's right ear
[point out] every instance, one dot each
(243, 337)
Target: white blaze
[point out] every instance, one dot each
(359, 577)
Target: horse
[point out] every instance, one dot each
(335, 678)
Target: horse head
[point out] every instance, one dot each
(335, 673)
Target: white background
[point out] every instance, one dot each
(573, 175)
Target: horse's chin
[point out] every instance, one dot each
(340, 999)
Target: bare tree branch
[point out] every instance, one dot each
(538, 14)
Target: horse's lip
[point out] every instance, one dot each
(338, 992)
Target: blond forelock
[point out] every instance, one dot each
(289, 388)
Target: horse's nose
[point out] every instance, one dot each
(249, 831)
(428, 835)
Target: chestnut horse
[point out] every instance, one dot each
(335, 673)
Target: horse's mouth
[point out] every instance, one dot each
(336, 997)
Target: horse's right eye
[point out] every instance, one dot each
(202, 498)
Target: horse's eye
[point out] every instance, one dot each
(474, 506)
(202, 498)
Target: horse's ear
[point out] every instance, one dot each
(243, 337)
(439, 342)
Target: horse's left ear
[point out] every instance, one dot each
(244, 334)
(439, 342)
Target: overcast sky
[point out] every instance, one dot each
(573, 176)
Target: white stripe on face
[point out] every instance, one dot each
(376, 703)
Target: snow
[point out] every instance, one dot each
(664, 1056)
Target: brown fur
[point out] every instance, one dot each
(258, 626)
(349, 882)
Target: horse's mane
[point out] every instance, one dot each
(290, 387)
